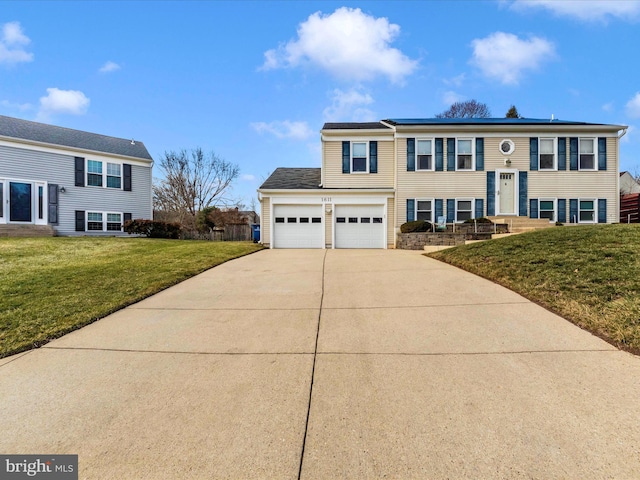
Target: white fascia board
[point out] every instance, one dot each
(358, 136)
(71, 151)
(328, 191)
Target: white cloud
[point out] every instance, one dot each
(72, 102)
(109, 67)
(284, 129)
(349, 107)
(348, 43)
(630, 135)
(247, 177)
(505, 57)
(456, 81)
(585, 10)
(16, 106)
(450, 97)
(633, 106)
(608, 107)
(13, 43)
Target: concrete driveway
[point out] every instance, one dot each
(319, 365)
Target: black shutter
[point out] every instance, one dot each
(79, 172)
(602, 153)
(52, 194)
(491, 193)
(411, 209)
(411, 154)
(451, 155)
(573, 210)
(523, 194)
(373, 157)
(479, 208)
(533, 208)
(479, 154)
(451, 210)
(602, 210)
(562, 153)
(573, 153)
(562, 210)
(79, 220)
(126, 176)
(346, 157)
(127, 217)
(533, 153)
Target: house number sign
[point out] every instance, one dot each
(326, 199)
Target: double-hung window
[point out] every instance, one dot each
(424, 210)
(587, 211)
(114, 222)
(94, 221)
(359, 160)
(104, 222)
(94, 173)
(464, 209)
(547, 160)
(587, 156)
(547, 209)
(464, 154)
(99, 176)
(424, 155)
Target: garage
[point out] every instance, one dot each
(359, 226)
(298, 226)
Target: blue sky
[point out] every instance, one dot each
(254, 81)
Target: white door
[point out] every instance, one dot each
(506, 192)
(297, 226)
(359, 226)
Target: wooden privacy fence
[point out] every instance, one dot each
(232, 233)
(630, 208)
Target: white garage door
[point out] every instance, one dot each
(359, 226)
(297, 226)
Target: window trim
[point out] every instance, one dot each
(105, 216)
(473, 204)
(366, 146)
(595, 210)
(555, 154)
(555, 208)
(105, 175)
(594, 142)
(473, 154)
(433, 155)
(433, 208)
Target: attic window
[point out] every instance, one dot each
(507, 147)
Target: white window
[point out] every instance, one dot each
(547, 154)
(464, 154)
(587, 156)
(104, 222)
(464, 209)
(547, 209)
(97, 176)
(359, 158)
(424, 155)
(424, 210)
(586, 211)
(94, 173)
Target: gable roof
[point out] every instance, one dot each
(293, 179)
(66, 137)
(482, 121)
(355, 126)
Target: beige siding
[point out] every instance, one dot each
(390, 223)
(334, 178)
(265, 218)
(494, 159)
(328, 229)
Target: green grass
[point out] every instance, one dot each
(51, 286)
(589, 275)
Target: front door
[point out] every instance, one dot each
(506, 193)
(20, 202)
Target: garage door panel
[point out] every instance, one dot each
(360, 226)
(298, 226)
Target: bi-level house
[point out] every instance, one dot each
(70, 182)
(377, 176)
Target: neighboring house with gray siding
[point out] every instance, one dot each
(78, 182)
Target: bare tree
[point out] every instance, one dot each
(192, 181)
(466, 109)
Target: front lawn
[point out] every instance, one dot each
(589, 274)
(51, 286)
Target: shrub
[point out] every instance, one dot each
(417, 226)
(152, 228)
(478, 220)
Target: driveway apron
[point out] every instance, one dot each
(329, 364)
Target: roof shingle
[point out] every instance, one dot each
(293, 179)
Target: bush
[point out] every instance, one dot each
(414, 227)
(152, 228)
(478, 220)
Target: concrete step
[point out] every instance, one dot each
(522, 224)
(13, 230)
